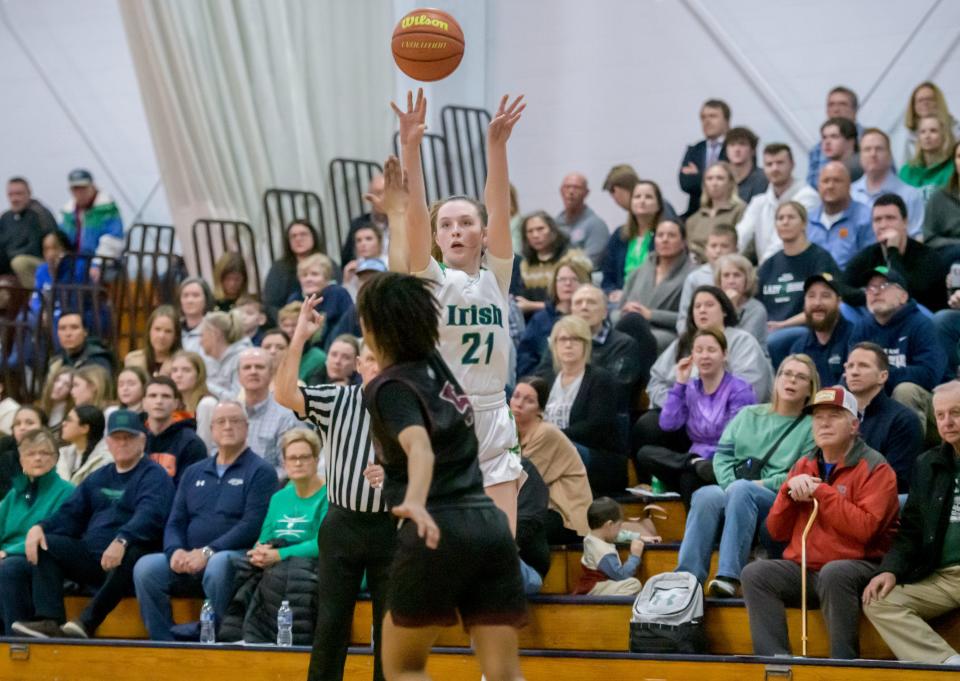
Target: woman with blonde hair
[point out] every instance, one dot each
(754, 455)
(736, 276)
(189, 372)
(932, 164)
(720, 204)
(579, 404)
(92, 385)
(222, 341)
(925, 100)
(55, 399)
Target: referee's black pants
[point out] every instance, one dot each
(350, 543)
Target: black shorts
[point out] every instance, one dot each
(474, 571)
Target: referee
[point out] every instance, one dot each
(358, 533)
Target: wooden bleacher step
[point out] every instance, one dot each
(571, 623)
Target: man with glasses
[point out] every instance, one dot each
(907, 336)
(96, 537)
(857, 494)
(217, 514)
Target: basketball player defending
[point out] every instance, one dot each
(472, 272)
(455, 554)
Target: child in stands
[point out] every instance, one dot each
(603, 572)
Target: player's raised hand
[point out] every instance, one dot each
(412, 121)
(503, 121)
(426, 528)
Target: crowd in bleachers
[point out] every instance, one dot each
(781, 340)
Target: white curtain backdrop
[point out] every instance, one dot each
(248, 94)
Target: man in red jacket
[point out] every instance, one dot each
(857, 492)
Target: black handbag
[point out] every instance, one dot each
(752, 469)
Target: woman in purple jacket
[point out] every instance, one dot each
(703, 406)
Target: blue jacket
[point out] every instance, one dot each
(893, 430)
(533, 344)
(108, 504)
(910, 342)
(222, 513)
(829, 358)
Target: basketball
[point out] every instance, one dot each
(428, 44)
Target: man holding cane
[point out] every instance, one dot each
(857, 494)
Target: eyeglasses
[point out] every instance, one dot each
(232, 420)
(795, 376)
(37, 454)
(878, 288)
(306, 458)
(566, 340)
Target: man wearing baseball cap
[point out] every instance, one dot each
(857, 493)
(917, 361)
(91, 218)
(827, 335)
(96, 537)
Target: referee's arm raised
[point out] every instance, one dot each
(286, 391)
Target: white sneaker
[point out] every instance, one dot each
(720, 588)
(953, 660)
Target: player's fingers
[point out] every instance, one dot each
(396, 109)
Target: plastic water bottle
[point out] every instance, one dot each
(285, 625)
(207, 630)
(656, 486)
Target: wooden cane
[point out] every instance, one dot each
(803, 574)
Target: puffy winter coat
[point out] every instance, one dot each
(252, 614)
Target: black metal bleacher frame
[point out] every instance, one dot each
(21, 379)
(465, 133)
(220, 236)
(438, 178)
(283, 206)
(159, 234)
(349, 178)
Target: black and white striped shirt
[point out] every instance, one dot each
(343, 425)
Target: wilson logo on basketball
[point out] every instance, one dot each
(423, 45)
(423, 20)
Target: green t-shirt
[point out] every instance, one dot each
(295, 520)
(951, 540)
(751, 434)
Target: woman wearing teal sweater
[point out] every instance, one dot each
(36, 494)
(282, 565)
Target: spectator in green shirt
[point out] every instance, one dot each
(36, 494)
(283, 564)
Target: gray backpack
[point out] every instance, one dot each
(668, 616)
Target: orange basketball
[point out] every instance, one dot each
(428, 44)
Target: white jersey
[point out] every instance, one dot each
(474, 324)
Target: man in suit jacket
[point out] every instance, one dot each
(715, 120)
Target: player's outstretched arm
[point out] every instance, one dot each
(396, 203)
(412, 126)
(416, 445)
(497, 192)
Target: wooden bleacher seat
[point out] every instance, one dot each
(580, 623)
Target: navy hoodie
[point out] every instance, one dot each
(175, 447)
(220, 512)
(910, 342)
(133, 505)
(829, 358)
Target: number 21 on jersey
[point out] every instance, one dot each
(476, 346)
